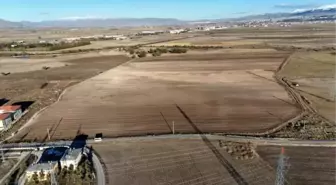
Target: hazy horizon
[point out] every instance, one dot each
(40, 10)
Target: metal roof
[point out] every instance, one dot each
(72, 154)
(4, 116)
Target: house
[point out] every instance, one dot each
(45, 168)
(70, 40)
(5, 121)
(151, 32)
(72, 157)
(14, 110)
(176, 31)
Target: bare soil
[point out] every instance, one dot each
(217, 92)
(38, 89)
(305, 165)
(178, 161)
(315, 74)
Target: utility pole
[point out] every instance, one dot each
(48, 131)
(281, 170)
(333, 89)
(173, 127)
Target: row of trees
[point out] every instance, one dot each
(47, 46)
(68, 45)
(136, 52)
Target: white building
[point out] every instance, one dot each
(46, 168)
(73, 39)
(5, 121)
(72, 157)
(176, 31)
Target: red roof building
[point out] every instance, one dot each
(4, 116)
(9, 108)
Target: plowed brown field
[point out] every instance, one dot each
(305, 165)
(217, 92)
(178, 162)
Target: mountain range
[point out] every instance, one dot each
(133, 22)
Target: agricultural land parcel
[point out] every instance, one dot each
(32, 84)
(230, 93)
(305, 165)
(178, 162)
(307, 36)
(315, 73)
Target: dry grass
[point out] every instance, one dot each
(315, 73)
(211, 41)
(12, 65)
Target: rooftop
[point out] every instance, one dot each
(72, 154)
(42, 166)
(52, 154)
(4, 116)
(9, 108)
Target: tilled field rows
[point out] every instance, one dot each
(147, 97)
(176, 162)
(305, 165)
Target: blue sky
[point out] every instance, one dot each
(37, 10)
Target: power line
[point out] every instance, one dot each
(282, 168)
(333, 89)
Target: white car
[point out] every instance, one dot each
(98, 137)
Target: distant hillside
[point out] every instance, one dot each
(133, 22)
(8, 24)
(309, 14)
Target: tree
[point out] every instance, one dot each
(178, 50)
(151, 50)
(142, 54)
(162, 50)
(131, 51)
(64, 171)
(71, 168)
(35, 178)
(42, 175)
(156, 53)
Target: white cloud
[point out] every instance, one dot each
(293, 6)
(327, 7)
(324, 7)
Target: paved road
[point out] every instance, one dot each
(255, 140)
(101, 180)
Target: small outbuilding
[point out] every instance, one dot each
(14, 110)
(5, 121)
